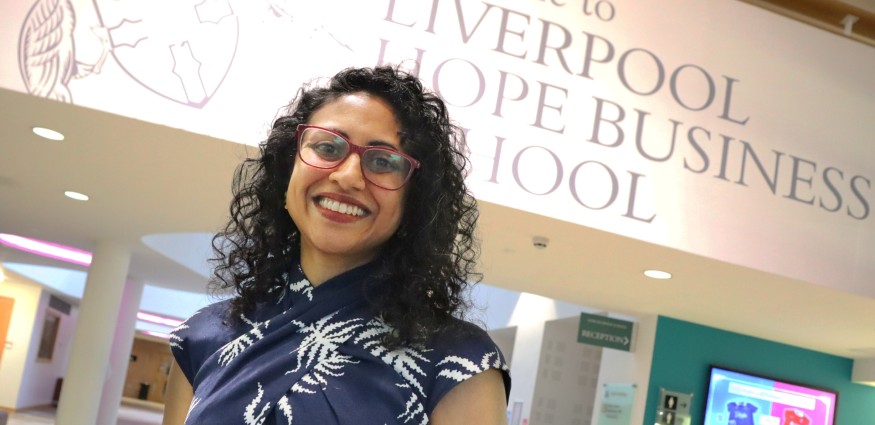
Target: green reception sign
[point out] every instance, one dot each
(605, 332)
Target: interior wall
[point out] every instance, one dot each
(622, 367)
(526, 314)
(40, 376)
(683, 352)
(504, 338)
(529, 315)
(15, 356)
(568, 375)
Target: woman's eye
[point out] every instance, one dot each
(329, 149)
(384, 162)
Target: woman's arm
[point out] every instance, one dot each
(178, 397)
(480, 400)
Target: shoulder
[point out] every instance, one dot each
(199, 336)
(462, 337)
(203, 322)
(460, 352)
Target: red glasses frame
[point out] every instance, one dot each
(359, 150)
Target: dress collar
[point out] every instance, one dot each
(351, 282)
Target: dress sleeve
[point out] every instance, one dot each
(461, 354)
(194, 341)
(180, 347)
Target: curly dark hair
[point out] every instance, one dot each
(427, 264)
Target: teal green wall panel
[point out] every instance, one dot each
(684, 351)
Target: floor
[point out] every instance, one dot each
(128, 414)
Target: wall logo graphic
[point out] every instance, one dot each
(47, 51)
(179, 49)
(310, 21)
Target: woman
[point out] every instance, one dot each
(349, 247)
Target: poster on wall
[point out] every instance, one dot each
(616, 408)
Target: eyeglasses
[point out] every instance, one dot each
(384, 167)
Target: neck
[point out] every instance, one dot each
(320, 267)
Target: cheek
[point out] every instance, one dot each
(398, 201)
(290, 189)
(300, 178)
(296, 188)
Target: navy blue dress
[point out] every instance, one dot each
(315, 357)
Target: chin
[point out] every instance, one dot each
(340, 250)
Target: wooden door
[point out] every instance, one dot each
(161, 376)
(6, 304)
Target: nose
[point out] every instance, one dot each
(348, 175)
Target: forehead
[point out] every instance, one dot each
(360, 116)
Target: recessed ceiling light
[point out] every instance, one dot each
(48, 133)
(657, 274)
(76, 195)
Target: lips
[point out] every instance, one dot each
(341, 207)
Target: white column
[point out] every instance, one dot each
(89, 357)
(120, 353)
(529, 316)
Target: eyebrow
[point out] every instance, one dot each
(380, 143)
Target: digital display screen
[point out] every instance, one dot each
(736, 398)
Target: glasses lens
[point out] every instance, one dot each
(385, 168)
(320, 148)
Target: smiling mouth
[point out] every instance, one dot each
(340, 207)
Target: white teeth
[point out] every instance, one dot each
(340, 207)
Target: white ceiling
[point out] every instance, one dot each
(146, 179)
